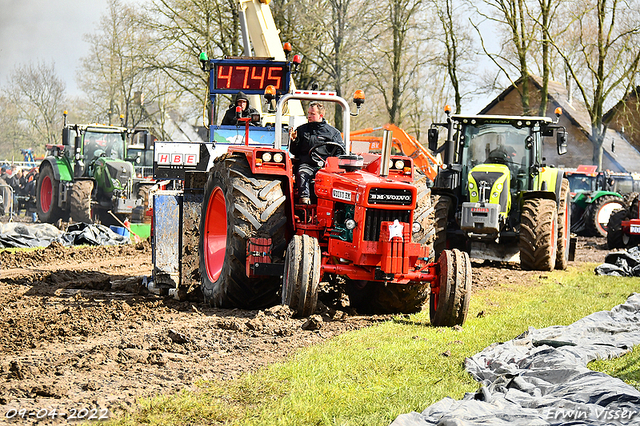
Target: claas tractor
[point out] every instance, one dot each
(86, 178)
(494, 197)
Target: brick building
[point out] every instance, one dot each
(618, 154)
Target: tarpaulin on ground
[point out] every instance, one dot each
(541, 378)
(621, 263)
(23, 235)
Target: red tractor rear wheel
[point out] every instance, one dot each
(616, 238)
(449, 301)
(301, 275)
(237, 206)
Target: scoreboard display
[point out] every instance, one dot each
(249, 76)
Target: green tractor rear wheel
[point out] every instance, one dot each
(47, 196)
(599, 212)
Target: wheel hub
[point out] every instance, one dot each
(215, 238)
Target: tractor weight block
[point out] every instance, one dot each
(480, 218)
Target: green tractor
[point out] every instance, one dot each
(595, 197)
(494, 197)
(87, 178)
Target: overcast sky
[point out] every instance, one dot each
(47, 30)
(52, 30)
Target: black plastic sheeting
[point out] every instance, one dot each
(541, 378)
(24, 235)
(621, 263)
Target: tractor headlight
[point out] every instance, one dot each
(266, 157)
(350, 224)
(399, 164)
(495, 195)
(416, 227)
(278, 157)
(499, 187)
(471, 185)
(474, 194)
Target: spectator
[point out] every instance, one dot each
(230, 117)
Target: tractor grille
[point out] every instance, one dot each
(120, 170)
(375, 217)
(396, 196)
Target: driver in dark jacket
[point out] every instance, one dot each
(242, 101)
(316, 137)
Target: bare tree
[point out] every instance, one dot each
(37, 94)
(13, 134)
(181, 30)
(608, 52)
(114, 71)
(512, 15)
(392, 62)
(457, 46)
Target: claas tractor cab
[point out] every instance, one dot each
(494, 196)
(86, 178)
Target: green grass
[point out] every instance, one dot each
(371, 376)
(625, 368)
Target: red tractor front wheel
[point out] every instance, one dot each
(449, 300)
(301, 275)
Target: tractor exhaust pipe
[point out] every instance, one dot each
(387, 139)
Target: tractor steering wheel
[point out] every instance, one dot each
(320, 152)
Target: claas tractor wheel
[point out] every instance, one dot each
(301, 275)
(538, 234)
(237, 206)
(449, 300)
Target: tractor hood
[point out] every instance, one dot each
(118, 170)
(489, 183)
(364, 188)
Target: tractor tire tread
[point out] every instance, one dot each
(538, 236)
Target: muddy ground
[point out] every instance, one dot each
(79, 330)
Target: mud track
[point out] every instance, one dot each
(79, 330)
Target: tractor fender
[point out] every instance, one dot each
(597, 194)
(551, 181)
(549, 195)
(455, 200)
(61, 171)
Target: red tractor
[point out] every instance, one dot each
(258, 241)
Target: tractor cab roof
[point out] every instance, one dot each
(516, 121)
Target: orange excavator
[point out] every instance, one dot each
(403, 142)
